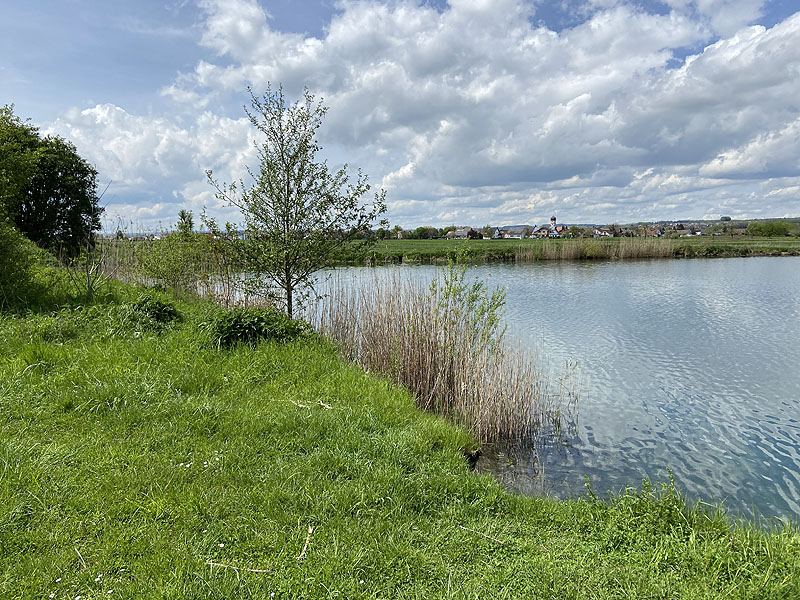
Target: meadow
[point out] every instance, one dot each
(140, 457)
(575, 249)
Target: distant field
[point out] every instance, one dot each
(621, 248)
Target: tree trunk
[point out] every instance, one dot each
(289, 291)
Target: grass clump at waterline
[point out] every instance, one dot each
(142, 461)
(446, 343)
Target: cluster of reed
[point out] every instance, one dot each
(588, 248)
(193, 265)
(446, 343)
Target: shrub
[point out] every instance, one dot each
(155, 308)
(19, 261)
(174, 261)
(253, 325)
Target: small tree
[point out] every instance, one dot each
(297, 211)
(185, 223)
(174, 259)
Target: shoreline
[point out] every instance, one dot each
(527, 251)
(163, 463)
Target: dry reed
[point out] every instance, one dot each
(589, 248)
(446, 343)
(201, 266)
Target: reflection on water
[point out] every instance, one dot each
(689, 365)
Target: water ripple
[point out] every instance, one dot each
(690, 365)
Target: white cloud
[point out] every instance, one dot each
(726, 17)
(472, 114)
(157, 159)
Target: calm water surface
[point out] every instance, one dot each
(688, 365)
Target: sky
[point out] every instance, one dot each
(467, 112)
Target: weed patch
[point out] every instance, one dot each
(253, 325)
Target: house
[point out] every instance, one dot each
(550, 231)
(516, 232)
(513, 232)
(541, 232)
(602, 232)
(462, 233)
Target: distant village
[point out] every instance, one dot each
(551, 230)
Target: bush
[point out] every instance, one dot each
(253, 325)
(155, 308)
(174, 261)
(19, 260)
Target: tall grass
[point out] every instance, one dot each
(189, 265)
(446, 343)
(584, 248)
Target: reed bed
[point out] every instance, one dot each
(584, 248)
(194, 265)
(446, 343)
(645, 248)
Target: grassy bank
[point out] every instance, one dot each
(427, 251)
(139, 460)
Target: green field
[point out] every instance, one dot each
(533, 249)
(138, 460)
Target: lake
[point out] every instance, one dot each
(688, 365)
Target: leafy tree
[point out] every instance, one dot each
(754, 228)
(18, 142)
(425, 233)
(298, 212)
(774, 229)
(724, 218)
(185, 223)
(46, 188)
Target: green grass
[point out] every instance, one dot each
(527, 250)
(134, 453)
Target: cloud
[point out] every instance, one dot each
(156, 159)
(473, 113)
(725, 17)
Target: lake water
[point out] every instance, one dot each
(688, 365)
